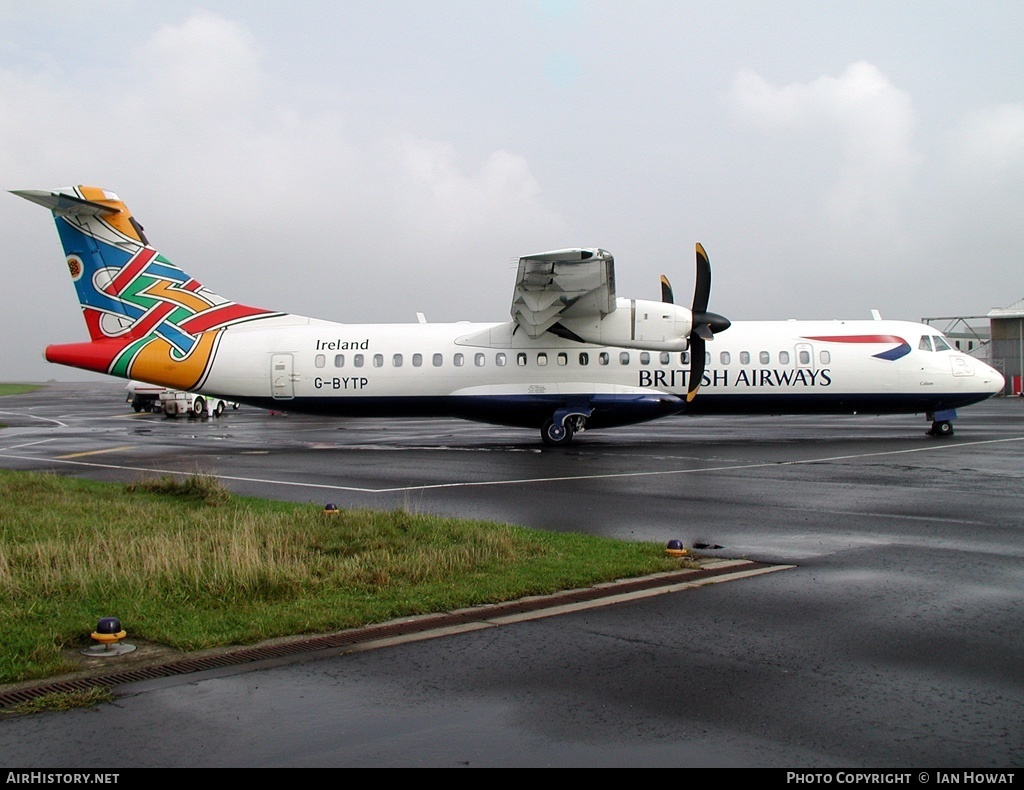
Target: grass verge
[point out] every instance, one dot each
(188, 565)
(63, 700)
(18, 389)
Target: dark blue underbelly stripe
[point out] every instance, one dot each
(530, 411)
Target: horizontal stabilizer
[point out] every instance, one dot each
(65, 205)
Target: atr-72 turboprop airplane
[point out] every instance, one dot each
(573, 357)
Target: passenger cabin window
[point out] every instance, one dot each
(765, 357)
(417, 360)
(320, 360)
(396, 360)
(458, 359)
(479, 360)
(339, 360)
(521, 359)
(623, 357)
(707, 357)
(378, 360)
(825, 357)
(804, 356)
(584, 358)
(500, 359)
(783, 357)
(645, 358)
(438, 360)
(684, 358)
(665, 358)
(542, 359)
(744, 357)
(357, 360)
(725, 357)
(563, 358)
(603, 358)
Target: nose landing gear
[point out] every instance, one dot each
(940, 428)
(942, 422)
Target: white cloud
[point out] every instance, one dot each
(206, 66)
(863, 124)
(224, 169)
(992, 140)
(458, 201)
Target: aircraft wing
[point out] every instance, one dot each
(561, 284)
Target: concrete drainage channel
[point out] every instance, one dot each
(403, 630)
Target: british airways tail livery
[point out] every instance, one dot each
(574, 356)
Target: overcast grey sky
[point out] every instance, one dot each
(361, 161)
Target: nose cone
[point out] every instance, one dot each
(998, 381)
(992, 380)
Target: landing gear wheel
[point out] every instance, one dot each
(942, 428)
(556, 434)
(219, 410)
(199, 407)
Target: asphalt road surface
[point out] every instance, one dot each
(896, 641)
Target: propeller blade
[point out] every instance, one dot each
(702, 288)
(704, 325)
(666, 290)
(697, 352)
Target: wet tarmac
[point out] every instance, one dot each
(896, 641)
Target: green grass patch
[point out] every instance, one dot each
(62, 700)
(184, 563)
(18, 389)
(197, 488)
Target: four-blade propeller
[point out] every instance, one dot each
(705, 324)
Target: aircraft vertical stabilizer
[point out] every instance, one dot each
(147, 319)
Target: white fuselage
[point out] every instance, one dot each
(494, 373)
(574, 356)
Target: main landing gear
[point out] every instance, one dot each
(559, 430)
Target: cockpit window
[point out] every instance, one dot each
(925, 344)
(941, 344)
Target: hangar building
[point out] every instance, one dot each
(1007, 346)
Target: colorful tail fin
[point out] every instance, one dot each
(146, 318)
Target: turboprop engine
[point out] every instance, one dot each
(571, 293)
(637, 323)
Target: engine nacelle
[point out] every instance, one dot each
(637, 323)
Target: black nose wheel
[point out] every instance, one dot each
(941, 428)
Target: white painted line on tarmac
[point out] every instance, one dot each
(29, 444)
(632, 596)
(555, 611)
(34, 417)
(526, 480)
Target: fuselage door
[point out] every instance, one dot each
(281, 383)
(804, 356)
